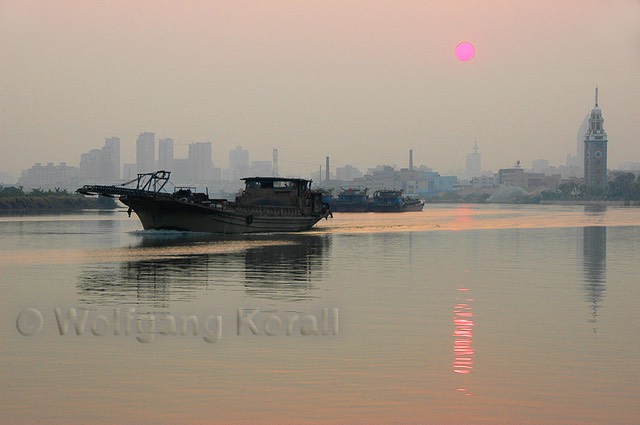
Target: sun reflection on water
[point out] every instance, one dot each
(463, 349)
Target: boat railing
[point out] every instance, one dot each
(146, 184)
(97, 189)
(266, 210)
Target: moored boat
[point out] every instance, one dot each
(393, 201)
(266, 204)
(386, 201)
(412, 203)
(351, 200)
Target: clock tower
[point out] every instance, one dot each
(595, 151)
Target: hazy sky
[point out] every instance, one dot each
(360, 81)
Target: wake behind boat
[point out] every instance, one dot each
(267, 204)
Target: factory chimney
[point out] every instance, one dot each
(327, 174)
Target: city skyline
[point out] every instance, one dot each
(197, 166)
(364, 79)
(151, 156)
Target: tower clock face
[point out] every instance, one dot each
(598, 154)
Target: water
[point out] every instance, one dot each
(459, 314)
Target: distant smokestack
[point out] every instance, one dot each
(274, 164)
(410, 159)
(327, 176)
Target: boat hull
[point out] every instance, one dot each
(348, 207)
(395, 207)
(163, 213)
(370, 207)
(414, 207)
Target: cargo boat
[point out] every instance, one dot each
(351, 200)
(412, 203)
(266, 204)
(393, 201)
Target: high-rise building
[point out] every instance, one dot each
(582, 134)
(90, 166)
(146, 153)
(165, 154)
(238, 163)
(111, 155)
(200, 164)
(101, 165)
(595, 151)
(474, 163)
(577, 161)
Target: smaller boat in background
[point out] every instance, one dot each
(393, 201)
(351, 200)
(413, 203)
(386, 201)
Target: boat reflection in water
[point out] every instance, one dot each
(171, 267)
(287, 271)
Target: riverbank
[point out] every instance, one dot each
(604, 203)
(66, 202)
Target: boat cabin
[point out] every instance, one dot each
(353, 195)
(274, 191)
(388, 197)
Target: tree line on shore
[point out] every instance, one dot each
(16, 199)
(623, 187)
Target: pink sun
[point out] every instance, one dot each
(465, 51)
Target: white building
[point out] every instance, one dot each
(50, 177)
(474, 163)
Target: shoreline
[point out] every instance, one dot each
(585, 202)
(53, 203)
(547, 202)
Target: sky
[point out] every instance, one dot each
(359, 81)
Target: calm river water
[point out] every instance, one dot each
(459, 314)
